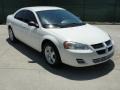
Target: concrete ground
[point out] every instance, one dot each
(22, 68)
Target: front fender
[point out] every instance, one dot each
(52, 39)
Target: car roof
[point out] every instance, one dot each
(42, 8)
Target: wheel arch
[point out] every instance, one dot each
(55, 42)
(50, 39)
(9, 26)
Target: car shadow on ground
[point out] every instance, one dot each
(72, 73)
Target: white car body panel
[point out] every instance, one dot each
(86, 34)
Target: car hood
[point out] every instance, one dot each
(86, 34)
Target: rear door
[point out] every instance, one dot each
(19, 26)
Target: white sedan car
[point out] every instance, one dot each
(61, 36)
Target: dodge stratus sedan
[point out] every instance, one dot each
(61, 36)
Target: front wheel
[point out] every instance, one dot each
(51, 54)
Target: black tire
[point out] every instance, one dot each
(12, 37)
(56, 57)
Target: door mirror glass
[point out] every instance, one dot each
(32, 23)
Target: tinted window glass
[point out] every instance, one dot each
(58, 18)
(19, 15)
(29, 16)
(26, 16)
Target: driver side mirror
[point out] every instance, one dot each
(32, 23)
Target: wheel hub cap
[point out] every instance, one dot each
(50, 55)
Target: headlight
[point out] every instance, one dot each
(75, 45)
(111, 39)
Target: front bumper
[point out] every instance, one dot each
(83, 58)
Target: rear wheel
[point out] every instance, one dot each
(11, 35)
(51, 54)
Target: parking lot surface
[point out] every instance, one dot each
(23, 68)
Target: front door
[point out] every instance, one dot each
(32, 33)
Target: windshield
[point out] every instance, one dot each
(58, 19)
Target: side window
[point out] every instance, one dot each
(29, 16)
(25, 16)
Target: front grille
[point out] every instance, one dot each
(108, 42)
(103, 58)
(102, 48)
(96, 46)
(110, 48)
(101, 51)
